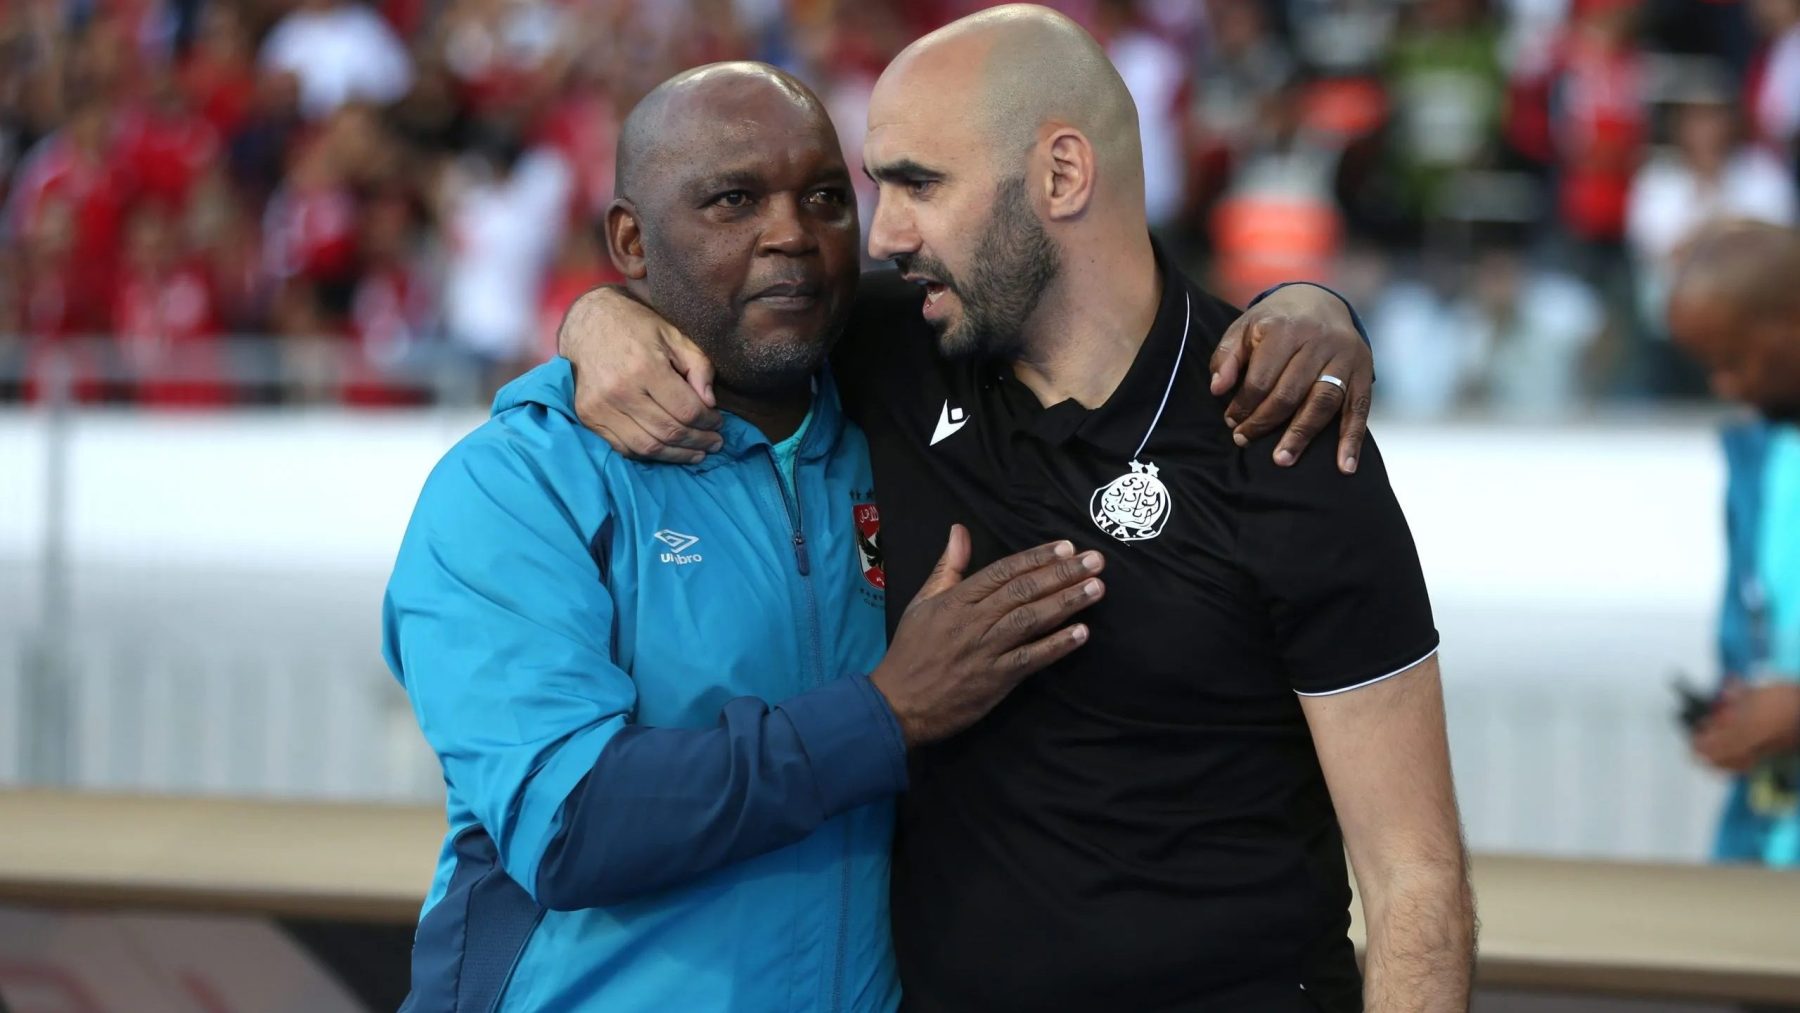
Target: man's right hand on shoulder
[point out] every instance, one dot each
(964, 643)
(639, 383)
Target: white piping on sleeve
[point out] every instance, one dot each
(1398, 671)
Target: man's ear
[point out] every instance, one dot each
(625, 240)
(1069, 187)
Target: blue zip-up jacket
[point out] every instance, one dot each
(1759, 625)
(669, 779)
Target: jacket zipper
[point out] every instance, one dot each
(790, 499)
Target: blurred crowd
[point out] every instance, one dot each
(244, 201)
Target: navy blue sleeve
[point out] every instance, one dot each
(1355, 317)
(664, 805)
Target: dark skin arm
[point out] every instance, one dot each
(647, 390)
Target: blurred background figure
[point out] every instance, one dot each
(1735, 306)
(1711, 171)
(1775, 77)
(340, 51)
(494, 202)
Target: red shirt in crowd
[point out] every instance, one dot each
(168, 325)
(390, 307)
(166, 152)
(61, 178)
(310, 232)
(1599, 133)
(221, 91)
(585, 130)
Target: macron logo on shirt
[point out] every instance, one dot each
(950, 420)
(678, 544)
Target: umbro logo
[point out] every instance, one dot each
(950, 420)
(678, 544)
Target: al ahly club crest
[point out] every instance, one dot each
(868, 544)
(1133, 506)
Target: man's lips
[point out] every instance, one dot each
(934, 289)
(788, 295)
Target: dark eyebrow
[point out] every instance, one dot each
(901, 171)
(740, 179)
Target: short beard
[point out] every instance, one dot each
(1014, 264)
(740, 362)
(763, 369)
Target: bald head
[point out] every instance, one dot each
(1752, 266)
(706, 102)
(1734, 305)
(1020, 67)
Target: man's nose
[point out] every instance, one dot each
(787, 231)
(892, 233)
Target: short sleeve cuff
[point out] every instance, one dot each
(1388, 672)
(852, 741)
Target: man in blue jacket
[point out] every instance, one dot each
(669, 735)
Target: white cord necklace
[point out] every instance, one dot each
(1135, 506)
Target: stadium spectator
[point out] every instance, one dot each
(163, 145)
(258, 150)
(1535, 327)
(583, 125)
(1156, 75)
(1279, 219)
(503, 206)
(393, 308)
(1241, 68)
(1775, 80)
(1710, 174)
(1429, 363)
(1342, 36)
(1388, 113)
(497, 50)
(1599, 125)
(74, 171)
(340, 51)
(219, 75)
(309, 226)
(166, 317)
(1445, 81)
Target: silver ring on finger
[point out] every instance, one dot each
(1334, 381)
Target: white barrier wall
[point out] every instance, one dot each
(227, 572)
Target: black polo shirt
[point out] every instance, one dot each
(1143, 827)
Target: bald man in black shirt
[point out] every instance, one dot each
(1158, 823)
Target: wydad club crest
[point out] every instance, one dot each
(868, 544)
(1133, 506)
